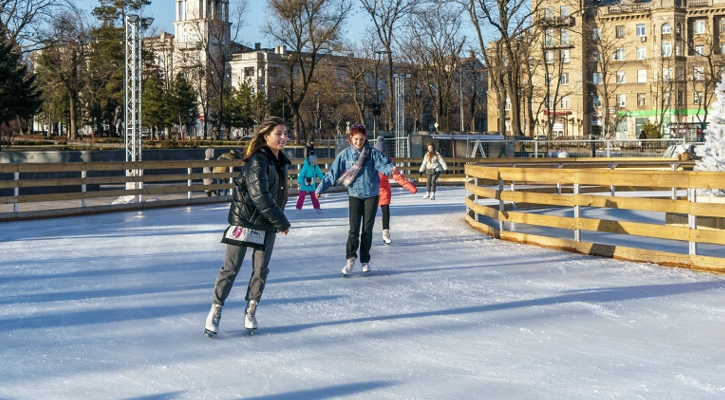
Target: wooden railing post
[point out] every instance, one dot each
(501, 207)
(692, 219)
(83, 188)
(577, 214)
(16, 191)
(188, 194)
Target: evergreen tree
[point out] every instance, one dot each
(19, 97)
(184, 106)
(712, 153)
(155, 110)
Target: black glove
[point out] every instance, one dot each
(447, 171)
(421, 174)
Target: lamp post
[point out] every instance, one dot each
(132, 93)
(437, 107)
(399, 80)
(376, 106)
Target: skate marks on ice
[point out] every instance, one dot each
(595, 296)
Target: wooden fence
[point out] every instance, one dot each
(40, 190)
(641, 211)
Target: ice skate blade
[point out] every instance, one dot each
(209, 334)
(251, 331)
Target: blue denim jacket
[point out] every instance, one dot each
(367, 183)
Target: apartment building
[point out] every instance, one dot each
(606, 68)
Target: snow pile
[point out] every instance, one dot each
(712, 153)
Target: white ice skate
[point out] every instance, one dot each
(250, 321)
(212, 320)
(386, 236)
(427, 195)
(348, 266)
(366, 268)
(433, 196)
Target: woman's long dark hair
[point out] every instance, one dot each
(263, 129)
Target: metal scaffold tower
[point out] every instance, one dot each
(132, 89)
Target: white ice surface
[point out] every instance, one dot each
(112, 306)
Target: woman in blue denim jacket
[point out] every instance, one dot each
(357, 168)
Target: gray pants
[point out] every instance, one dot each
(432, 180)
(233, 262)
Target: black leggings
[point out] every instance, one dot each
(386, 216)
(431, 184)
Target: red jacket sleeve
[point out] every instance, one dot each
(404, 182)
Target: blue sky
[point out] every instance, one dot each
(163, 13)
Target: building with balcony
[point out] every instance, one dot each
(607, 68)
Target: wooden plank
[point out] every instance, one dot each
(701, 263)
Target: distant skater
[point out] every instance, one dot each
(357, 169)
(307, 180)
(386, 193)
(258, 200)
(433, 164)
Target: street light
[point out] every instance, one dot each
(376, 106)
(399, 90)
(437, 106)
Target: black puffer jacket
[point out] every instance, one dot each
(260, 193)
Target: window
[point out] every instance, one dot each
(619, 31)
(564, 78)
(549, 38)
(666, 74)
(680, 73)
(697, 97)
(666, 49)
(722, 48)
(666, 29)
(565, 102)
(641, 31)
(700, 50)
(680, 98)
(596, 34)
(548, 12)
(549, 57)
(641, 53)
(564, 11)
(619, 54)
(507, 107)
(547, 79)
(595, 56)
(666, 98)
(249, 72)
(597, 78)
(621, 77)
(722, 25)
(596, 101)
(621, 100)
(641, 76)
(564, 36)
(699, 26)
(565, 56)
(641, 99)
(698, 73)
(678, 48)
(181, 11)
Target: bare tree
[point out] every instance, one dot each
(706, 62)
(510, 19)
(26, 21)
(310, 30)
(216, 36)
(435, 42)
(387, 16)
(62, 64)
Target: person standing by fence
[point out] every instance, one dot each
(432, 165)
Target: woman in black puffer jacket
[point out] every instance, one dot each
(259, 198)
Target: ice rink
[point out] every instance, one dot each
(112, 306)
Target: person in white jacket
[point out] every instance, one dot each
(433, 164)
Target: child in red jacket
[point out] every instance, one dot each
(385, 193)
